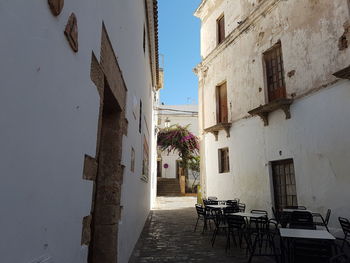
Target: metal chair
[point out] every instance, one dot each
(302, 220)
(220, 223)
(203, 215)
(236, 225)
(241, 207)
(345, 225)
(324, 221)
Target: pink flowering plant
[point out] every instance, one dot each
(180, 139)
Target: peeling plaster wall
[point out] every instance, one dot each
(304, 36)
(316, 135)
(49, 110)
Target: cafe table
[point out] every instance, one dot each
(291, 233)
(289, 210)
(217, 206)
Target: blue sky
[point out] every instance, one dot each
(179, 43)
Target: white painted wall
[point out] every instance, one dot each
(48, 117)
(315, 137)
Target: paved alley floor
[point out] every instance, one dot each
(168, 237)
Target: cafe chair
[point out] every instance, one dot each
(302, 220)
(220, 224)
(324, 221)
(204, 216)
(345, 225)
(236, 227)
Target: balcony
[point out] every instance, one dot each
(218, 127)
(263, 111)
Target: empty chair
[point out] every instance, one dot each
(258, 223)
(324, 221)
(345, 225)
(241, 207)
(230, 209)
(210, 202)
(236, 226)
(203, 215)
(220, 223)
(302, 220)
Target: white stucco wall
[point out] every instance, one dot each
(315, 137)
(48, 116)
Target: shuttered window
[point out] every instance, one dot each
(221, 104)
(275, 73)
(220, 29)
(224, 160)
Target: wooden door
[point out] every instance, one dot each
(221, 100)
(275, 73)
(285, 193)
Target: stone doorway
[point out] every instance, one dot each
(106, 208)
(106, 204)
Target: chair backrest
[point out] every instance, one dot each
(241, 207)
(328, 215)
(234, 221)
(256, 211)
(210, 202)
(299, 207)
(218, 216)
(230, 209)
(301, 219)
(275, 214)
(345, 225)
(200, 209)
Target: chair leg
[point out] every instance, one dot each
(196, 225)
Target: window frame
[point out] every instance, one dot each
(224, 154)
(274, 74)
(221, 116)
(219, 37)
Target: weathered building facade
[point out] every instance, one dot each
(273, 105)
(78, 83)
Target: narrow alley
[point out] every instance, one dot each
(168, 237)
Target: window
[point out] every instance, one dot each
(144, 39)
(285, 192)
(224, 160)
(145, 162)
(275, 73)
(221, 104)
(220, 28)
(140, 117)
(132, 162)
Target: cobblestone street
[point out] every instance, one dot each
(168, 237)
